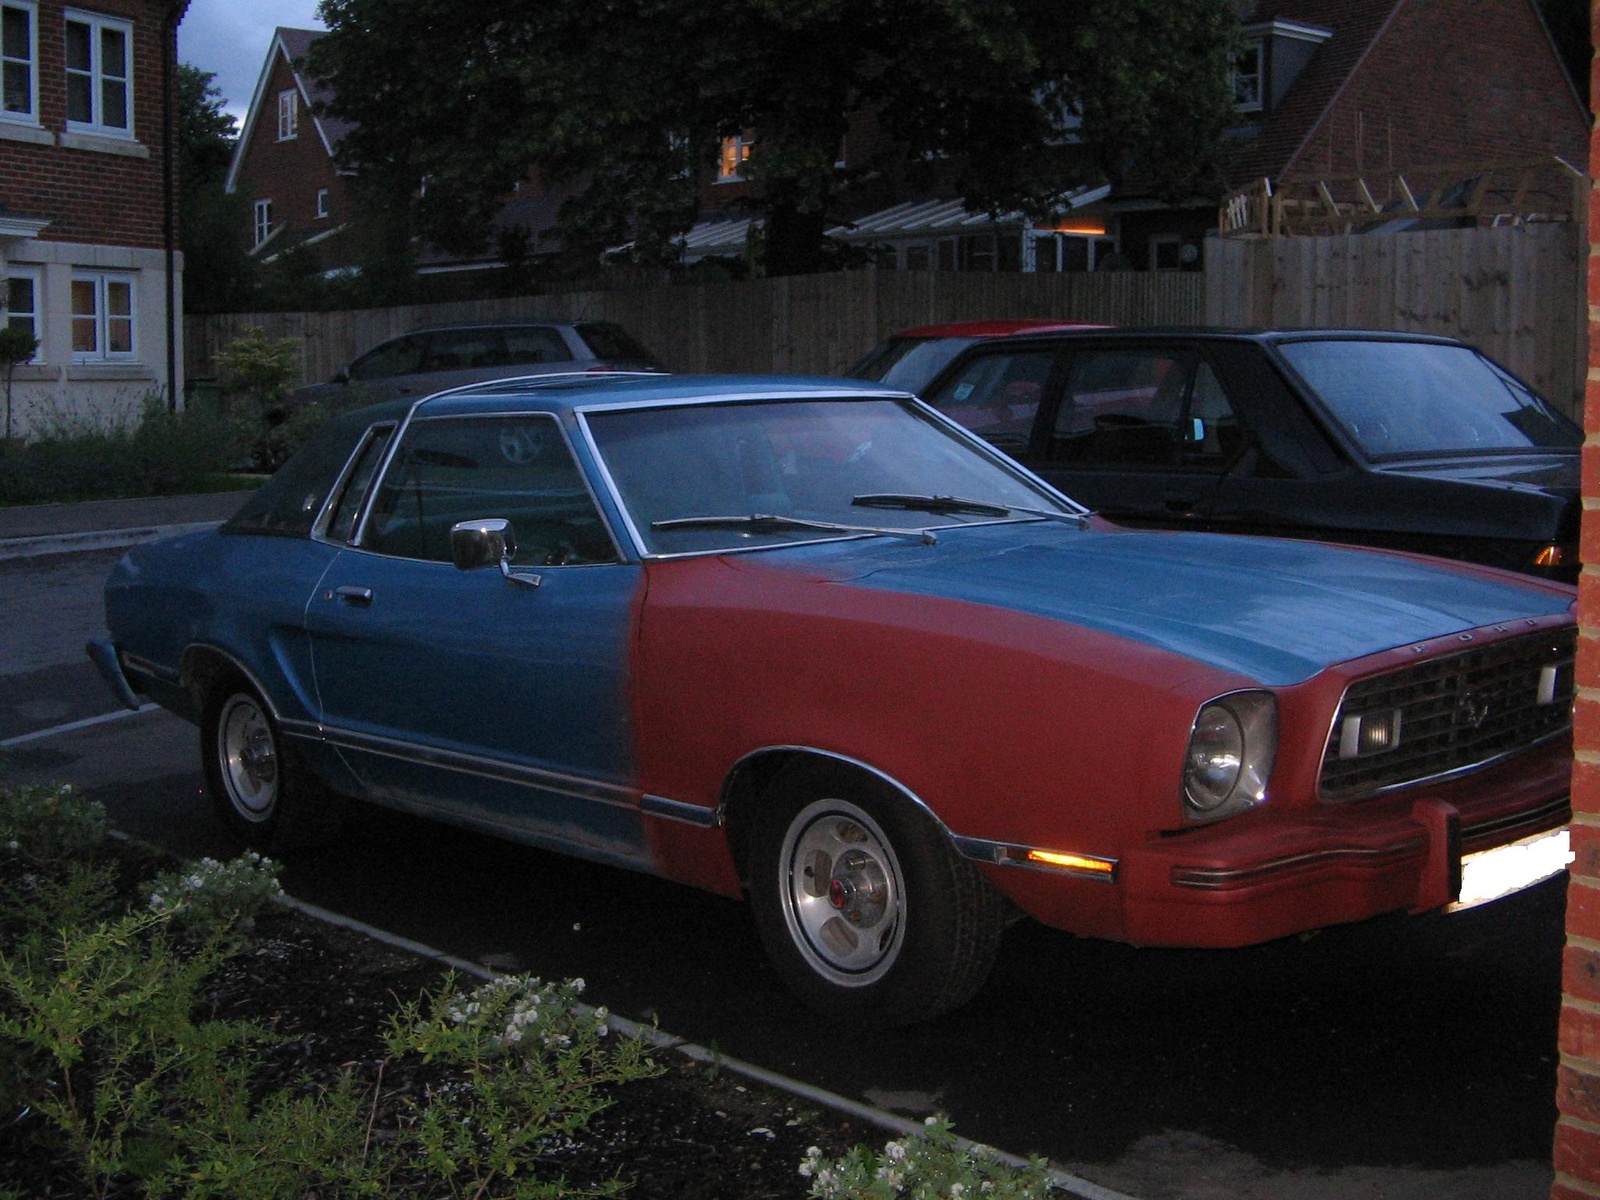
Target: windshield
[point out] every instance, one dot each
(805, 460)
(1420, 398)
(910, 363)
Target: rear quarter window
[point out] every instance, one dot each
(288, 503)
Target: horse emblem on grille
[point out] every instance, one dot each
(1472, 710)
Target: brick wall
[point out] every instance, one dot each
(291, 172)
(1420, 96)
(1577, 1140)
(90, 195)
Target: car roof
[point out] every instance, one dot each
(575, 390)
(465, 326)
(998, 327)
(1225, 333)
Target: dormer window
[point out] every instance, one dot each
(1269, 60)
(1246, 78)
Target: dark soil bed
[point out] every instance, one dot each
(696, 1131)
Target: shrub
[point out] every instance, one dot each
(931, 1166)
(107, 1065)
(211, 897)
(161, 453)
(50, 822)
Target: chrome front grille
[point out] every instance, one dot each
(1449, 714)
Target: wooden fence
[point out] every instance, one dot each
(811, 324)
(1518, 293)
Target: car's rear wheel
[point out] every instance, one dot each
(862, 903)
(259, 788)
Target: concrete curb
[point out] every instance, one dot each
(105, 539)
(893, 1123)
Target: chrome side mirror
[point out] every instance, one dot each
(487, 542)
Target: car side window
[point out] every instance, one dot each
(463, 349)
(1144, 407)
(530, 344)
(520, 468)
(997, 396)
(402, 356)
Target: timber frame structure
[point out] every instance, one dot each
(1504, 193)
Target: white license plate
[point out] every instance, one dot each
(1490, 874)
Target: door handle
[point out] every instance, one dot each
(352, 594)
(1180, 504)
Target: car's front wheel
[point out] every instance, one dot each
(259, 789)
(862, 903)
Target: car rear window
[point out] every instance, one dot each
(1403, 399)
(614, 343)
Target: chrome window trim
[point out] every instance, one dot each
(964, 435)
(397, 438)
(319, 527)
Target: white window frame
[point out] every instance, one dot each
(732, 154)
(1251, 83)
(263, 220)
(99, 25)
(35, 315)
(288, 115)
(322, 204)
(104, 321)
(29, 116)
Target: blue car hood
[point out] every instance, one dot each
(1276, 611)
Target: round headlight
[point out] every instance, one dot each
(1216, 756)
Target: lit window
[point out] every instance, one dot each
(102, 317)
(20, 294)
(19, 54)
(288, 115)
(263, 210)
(99, 74)
(1246, 76)
(322, 202)
(731, 158)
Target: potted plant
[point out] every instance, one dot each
(17, 345)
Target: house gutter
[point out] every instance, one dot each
(169, 172)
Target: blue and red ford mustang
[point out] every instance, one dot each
(810, 642)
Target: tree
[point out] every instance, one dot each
(218, 274)
(1017, 102)
(17, 345)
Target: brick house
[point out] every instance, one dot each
(283, 161)
(1322, 87)
(1577, 1138)
(88, 259)
(1346, 87)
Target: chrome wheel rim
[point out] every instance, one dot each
(249, 757)
(843, 893)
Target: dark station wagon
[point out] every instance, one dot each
(1399, 441)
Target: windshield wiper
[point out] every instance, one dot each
(772, 523)
(957, 504)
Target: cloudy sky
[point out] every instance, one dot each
(230, 39)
